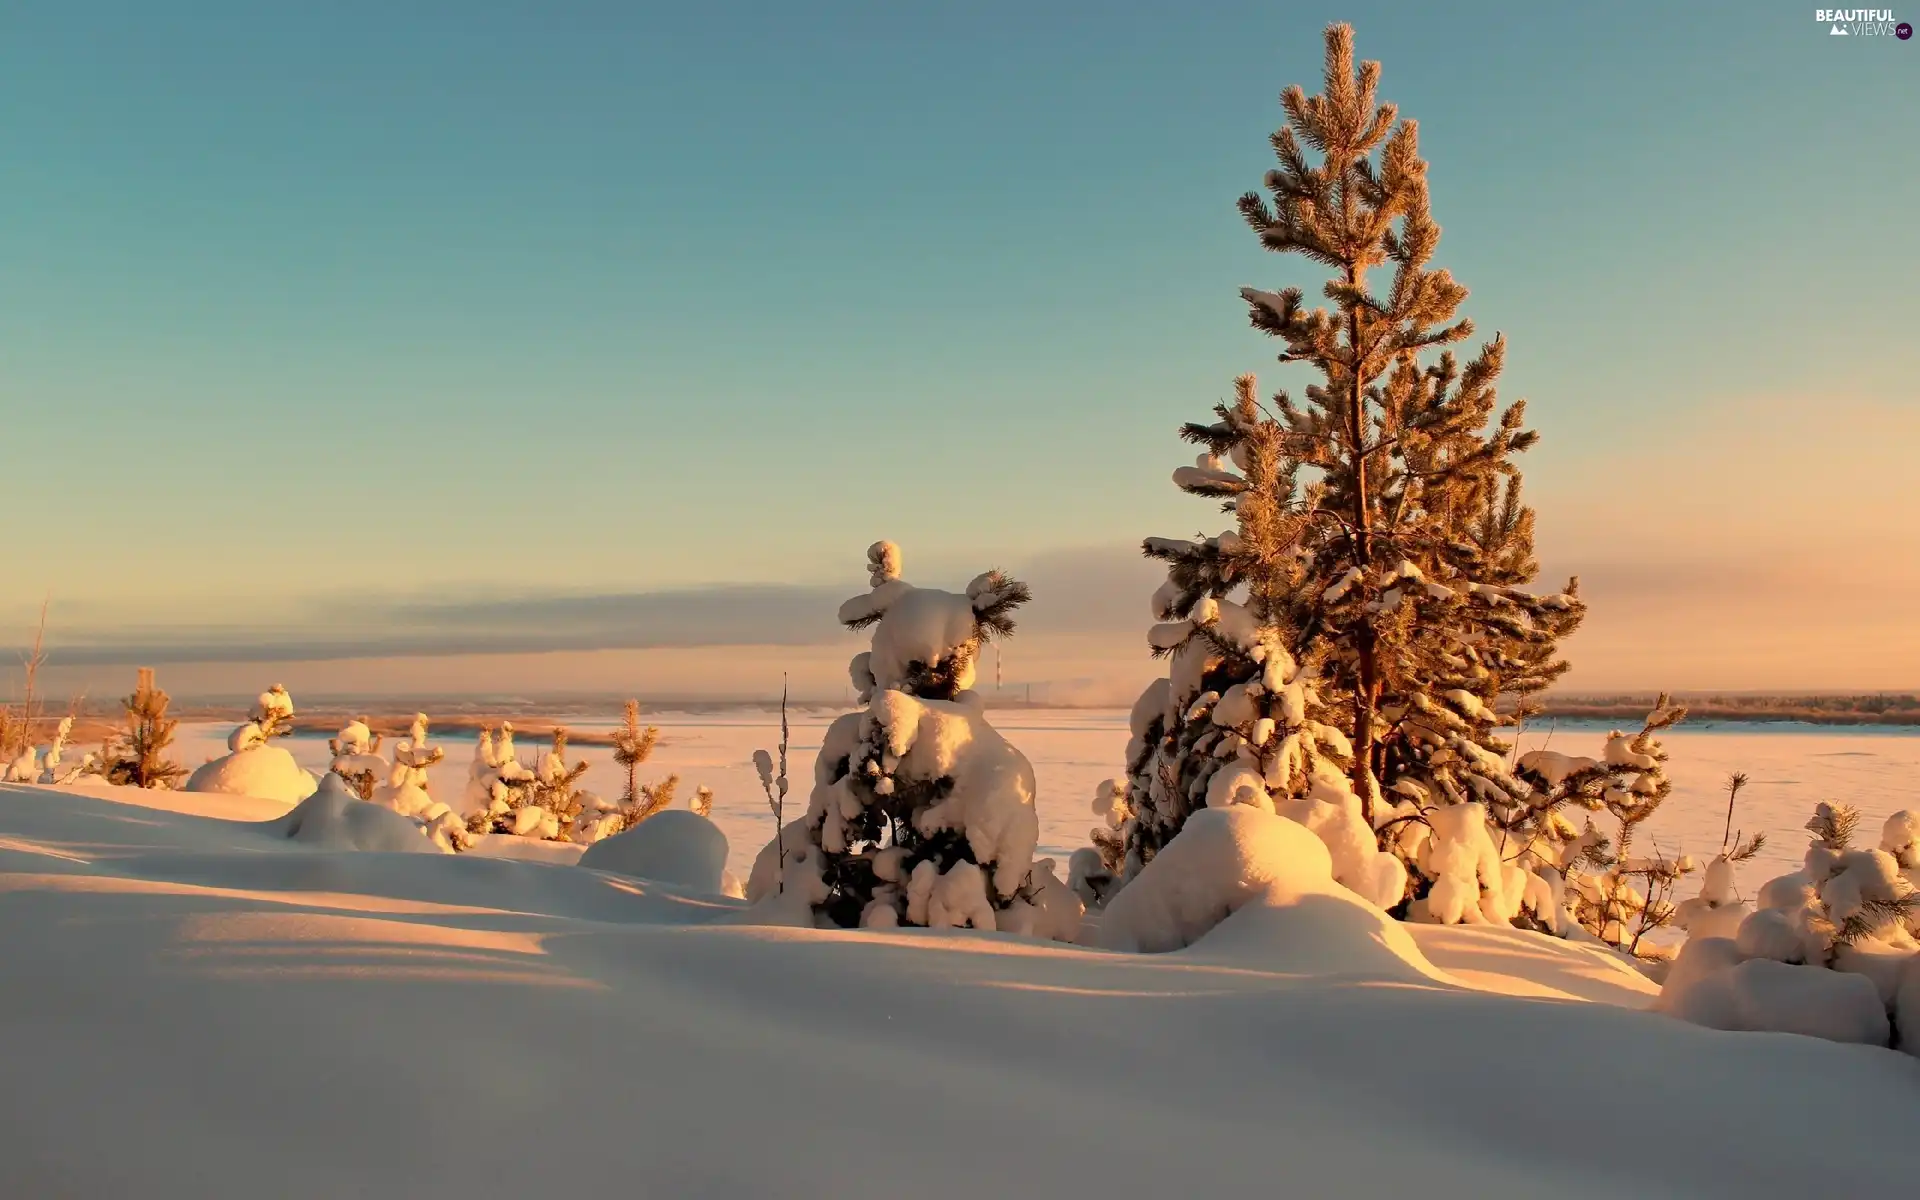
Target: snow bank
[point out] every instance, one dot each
(1717, 988)
(1224, 859)
(678, 846)
(333, 818)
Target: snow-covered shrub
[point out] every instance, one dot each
(24, 767)
(54, 767)
(1831, 950)
(1900, 837)
(406, 788)
(47, 764)
(555, 787)
(272, 713)
(357, 758)
(1718, 909)
(252, 767)
(921, 813)
(1094, 872)
(497, 784)
(1607, 889)
(546, 801)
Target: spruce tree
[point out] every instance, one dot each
(1380, 538)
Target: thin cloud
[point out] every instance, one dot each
(1091, 590)
(747, 614)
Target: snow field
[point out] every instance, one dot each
(244, 1014)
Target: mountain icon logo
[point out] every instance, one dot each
(1838, 32)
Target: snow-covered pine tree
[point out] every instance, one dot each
(1380, 541)
(921, 813)
(357, 758)
(273, 713)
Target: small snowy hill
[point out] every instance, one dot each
(195, 1004)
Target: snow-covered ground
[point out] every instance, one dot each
(194, 1006)
(1790, 768)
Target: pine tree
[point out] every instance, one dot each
(137, 755)
(632, 746)
(1380, 538)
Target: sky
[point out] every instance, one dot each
(519, 347)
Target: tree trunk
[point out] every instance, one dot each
(1366, 693)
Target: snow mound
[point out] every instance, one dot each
(263, 771)
(1223, 860)
(1326, 936)
(333, 818)
(678, 847)
(1711, 985)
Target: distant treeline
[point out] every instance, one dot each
(536, 716)
(1876, 708)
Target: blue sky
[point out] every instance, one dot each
(372, 304)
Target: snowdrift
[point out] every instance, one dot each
(266, 772)
(333, 818)
(237, 1012)
(678, 847)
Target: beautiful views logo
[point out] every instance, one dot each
(1862, 22)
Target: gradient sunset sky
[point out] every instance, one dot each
(437, 346)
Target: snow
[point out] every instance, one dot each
(333, 818)
(1223, 859)
(243, 1014)
(261, 770)
(1720, 991)
(922, 626)
(524, 849)
(678, 846)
